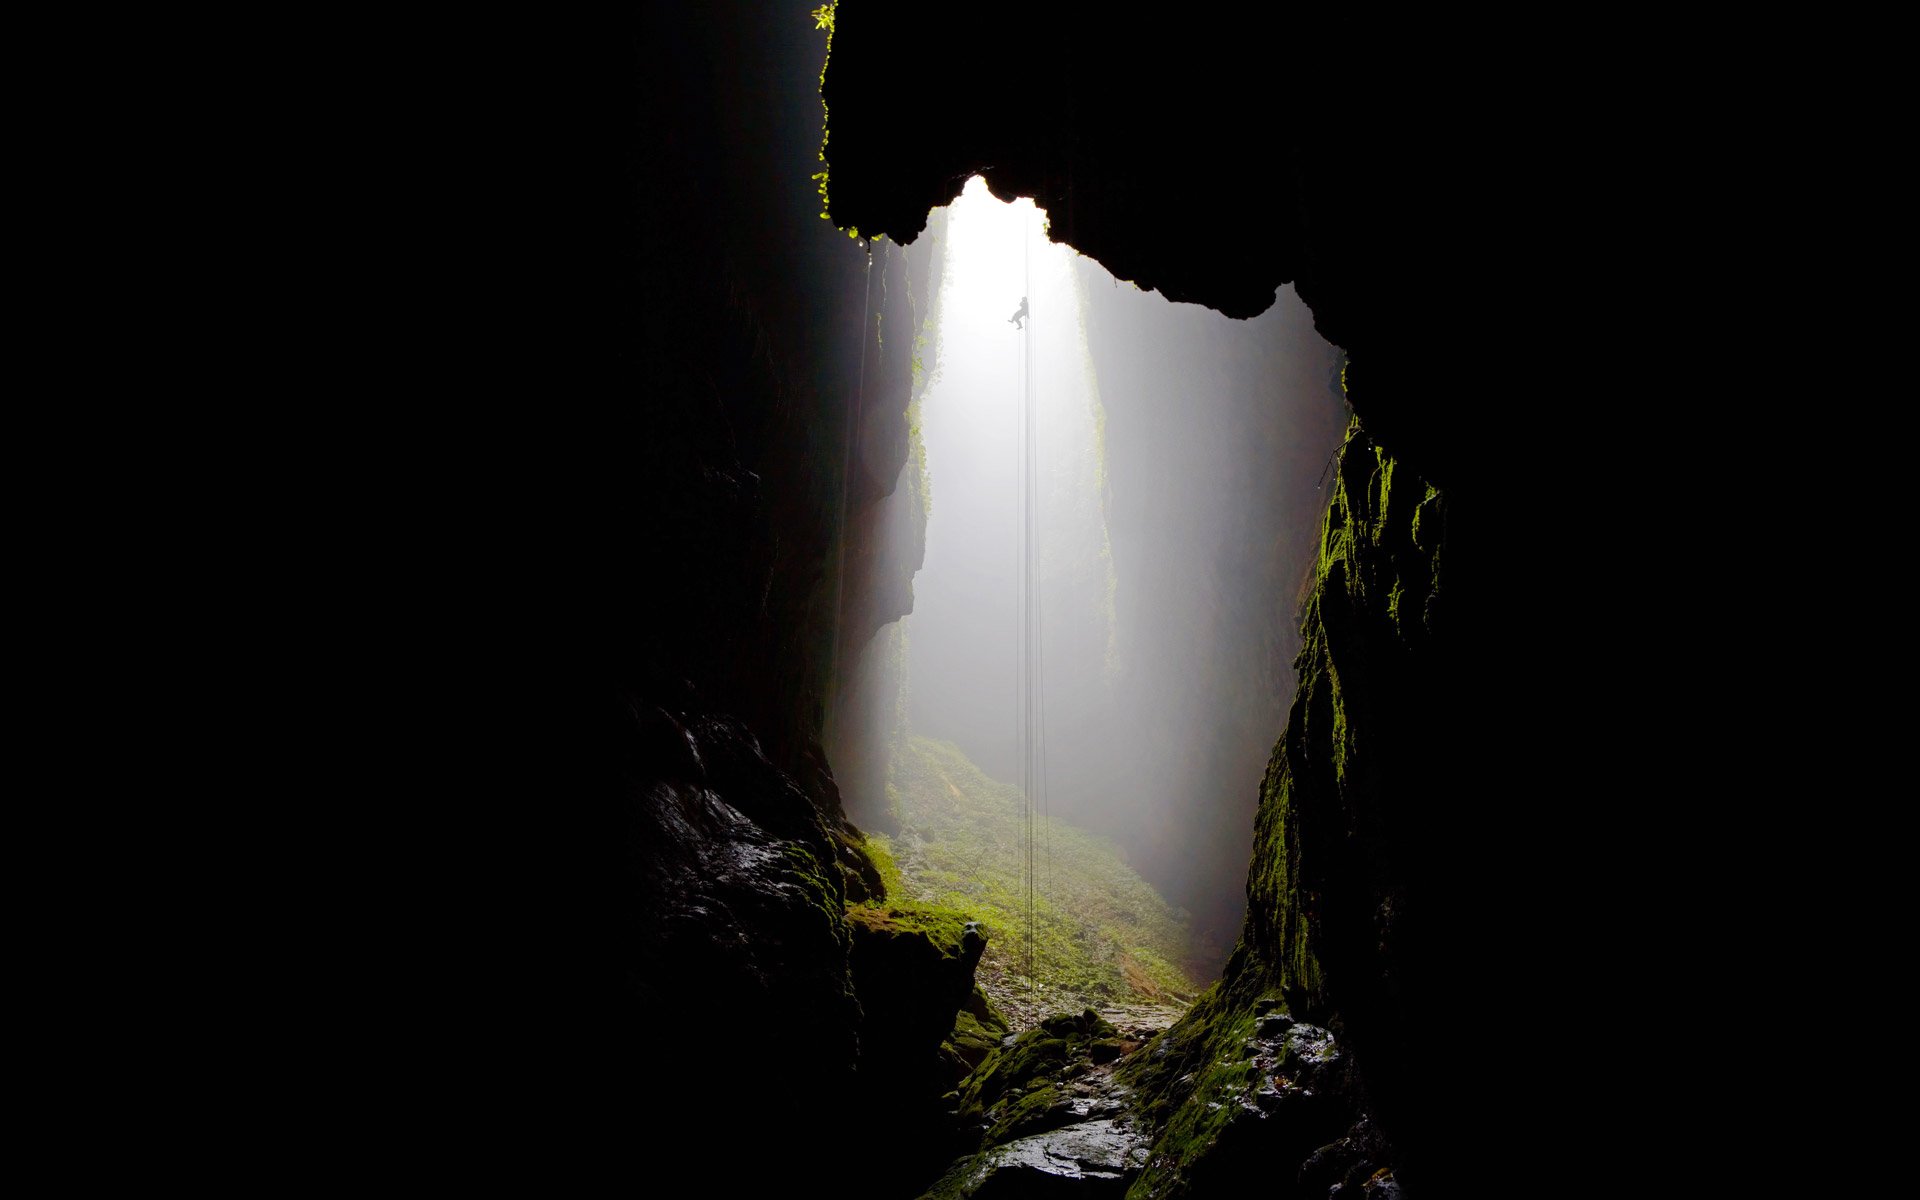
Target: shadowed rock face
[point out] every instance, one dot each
(1214, 159)
(912, 982)
(688, 438)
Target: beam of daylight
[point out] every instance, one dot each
(966, 628)
(1166, 661)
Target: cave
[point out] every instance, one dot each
(692, 511)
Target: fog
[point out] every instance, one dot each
(1175, 507)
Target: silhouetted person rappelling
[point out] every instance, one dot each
(1019, 315)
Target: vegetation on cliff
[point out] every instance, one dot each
(1101, 933)
(1365, 626)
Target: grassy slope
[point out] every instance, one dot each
(1102, 934)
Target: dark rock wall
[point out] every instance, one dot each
(912, 981)
(889, 536)
(1214, 157)
(701, 386)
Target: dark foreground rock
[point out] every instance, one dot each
(1242, 1095)
(978, 1031)
(1236, 1099)
(1046, 1117)
(1098, 1158)
(921, 1013)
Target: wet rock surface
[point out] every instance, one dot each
(1047, 1116)
(1243, 1095)
(726, 904)
(1297, 1098)
(1272, 1105)
(911, 982)
(978, 1031)
(1098, 1158)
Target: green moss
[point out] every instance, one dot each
(823, 19)
(927, 358)
(1371, 607)
(1016, 1089)
(1101, 932)
(978, 1032)
(1025, 1114)
(944, 928)
(880, 849)
(1192, 1128)
(822, 888)
(944, 925)
(971, 1042)
(920, 479)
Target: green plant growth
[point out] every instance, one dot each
(1194, 1082)
(926, 346)
(1015, 1087)
(943, 924)
(823, 19)
(917, 447)
(1101, 933)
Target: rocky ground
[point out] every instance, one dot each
(1048, 1115)
(1054, 1118)
(1025, 1008)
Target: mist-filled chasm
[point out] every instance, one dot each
(1176, 471)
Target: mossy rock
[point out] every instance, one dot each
(1088, 1024)
(1014, 1090)
(971, 1042)
(1036, 1111)
(912, 968)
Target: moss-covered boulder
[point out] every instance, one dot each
(1025, 1086)
(1240, 1092)
(1048, 1116)
(978, 1031)
(913, 971)
(912, 967)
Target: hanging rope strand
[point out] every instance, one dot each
(1030, 668)
(1042, 797)
(1032, 588)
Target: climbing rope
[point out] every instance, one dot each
(1032, 661)
(1029, 427)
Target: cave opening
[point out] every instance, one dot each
(1100, 634)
